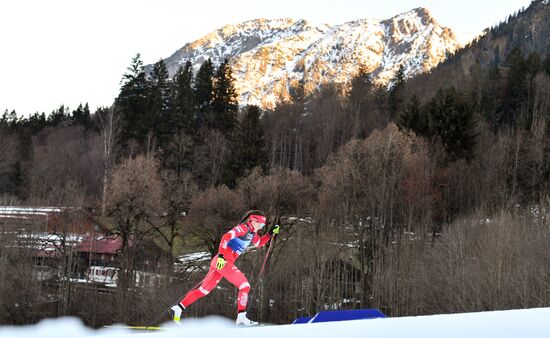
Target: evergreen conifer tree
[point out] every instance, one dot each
(451, 120)
(81, 116)
(204, 92)
(360, 102)
(361, 87)
(178, 151)
(159, 102)
(248, 147)
(132, 103)
(59, 117)
(36, 122)
(10, 120)
(515, 90)
(396, 93)
(224, 103)
(184, 100)
(413, 117)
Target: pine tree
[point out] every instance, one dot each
(204, 93)
(395, 97)
(414, 118)
(132, 103)
(184, 100)
(36, 122)
(60, 117)
(224, 103)
(515, 90)
(178, 152)
(81, 117)
(451, 120)
(10, 120)
(159, 102)
(360, 102)
(248, 147)
(361, 87)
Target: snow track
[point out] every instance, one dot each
(532, 323)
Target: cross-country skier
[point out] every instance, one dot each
(233, 243)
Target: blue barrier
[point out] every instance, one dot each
(340, 315)
(301, 320)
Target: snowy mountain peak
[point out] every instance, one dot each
(269, 56)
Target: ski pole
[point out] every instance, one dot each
(261, 275)
(155, 320)
(266, 255)
(188, 292)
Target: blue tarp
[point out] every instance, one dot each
(341, 315)
(301, 320)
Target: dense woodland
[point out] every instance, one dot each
(411, 201)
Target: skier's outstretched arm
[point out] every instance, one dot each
(260, 241)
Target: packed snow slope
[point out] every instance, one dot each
(530, 323)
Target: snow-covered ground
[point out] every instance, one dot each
(499, 324)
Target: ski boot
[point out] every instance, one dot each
(175, 312)
(242, 320)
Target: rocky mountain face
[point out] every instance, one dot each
(528, 31)
(270, 56)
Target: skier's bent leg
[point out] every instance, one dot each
(237, 278)
(211, 280)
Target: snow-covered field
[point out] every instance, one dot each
(499, 324)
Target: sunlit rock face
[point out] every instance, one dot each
(268, 57)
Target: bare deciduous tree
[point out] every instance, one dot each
(177, 191)
(134, 197)
(108, 121)
(212, 213)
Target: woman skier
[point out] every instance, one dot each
(232, 244)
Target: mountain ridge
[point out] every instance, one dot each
(527, 31)
(269, 56)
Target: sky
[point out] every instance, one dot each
(56, 52)
(532, 323)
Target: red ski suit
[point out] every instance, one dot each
(233, 243)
